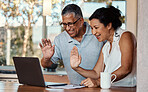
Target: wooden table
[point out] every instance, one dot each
(16, 87)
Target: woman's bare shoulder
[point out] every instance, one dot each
(128, 38)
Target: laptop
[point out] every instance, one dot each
(29, 72)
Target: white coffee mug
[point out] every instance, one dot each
(105, 82)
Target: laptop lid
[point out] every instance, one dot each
(29, 71)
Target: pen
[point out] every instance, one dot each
(77, 85)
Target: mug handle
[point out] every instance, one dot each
(114, 78)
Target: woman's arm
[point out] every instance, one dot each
(127, 45)
(75, 60)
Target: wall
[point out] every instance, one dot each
(142, 66)
(131, 18)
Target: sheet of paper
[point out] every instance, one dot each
(66, 87)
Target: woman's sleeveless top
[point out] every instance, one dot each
(112, 61)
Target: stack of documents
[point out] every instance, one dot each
(66, 87)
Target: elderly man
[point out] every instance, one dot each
(77, 33)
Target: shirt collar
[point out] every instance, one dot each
(88, 32)
(88, 29)
(117, 34)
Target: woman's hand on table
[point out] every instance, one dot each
(90, 82)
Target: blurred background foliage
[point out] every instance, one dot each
(25, 14)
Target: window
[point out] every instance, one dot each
(22, 23)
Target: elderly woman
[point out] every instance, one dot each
(118, 55)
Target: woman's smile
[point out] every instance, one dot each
(98, 36)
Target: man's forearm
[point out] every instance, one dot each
(46, 62)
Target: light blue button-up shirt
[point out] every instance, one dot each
(89, 48)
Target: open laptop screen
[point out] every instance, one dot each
(29, 71)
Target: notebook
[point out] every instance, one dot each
(29, 72)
